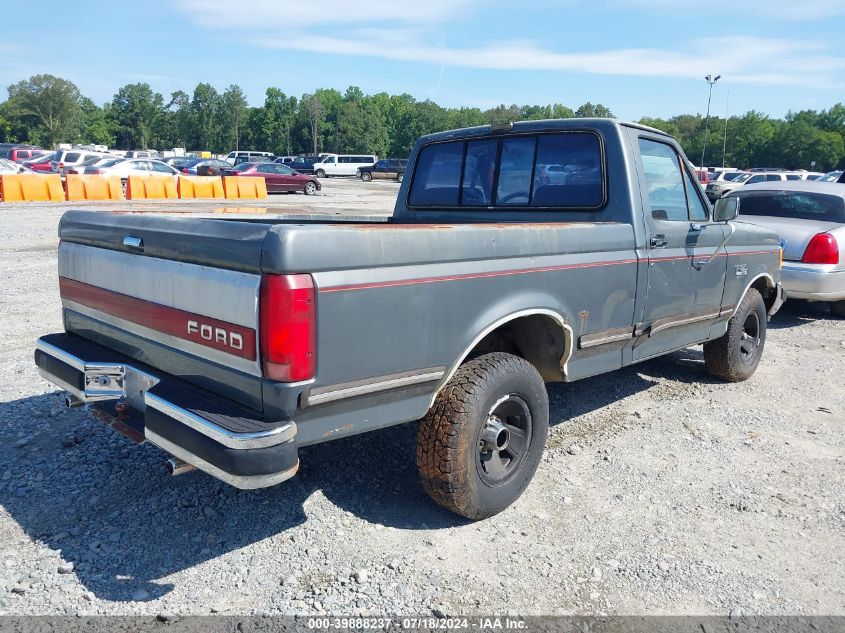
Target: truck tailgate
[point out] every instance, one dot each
(180, 295)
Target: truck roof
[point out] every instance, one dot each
(543, 125)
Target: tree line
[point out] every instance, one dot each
(47, 110)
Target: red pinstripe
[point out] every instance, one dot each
(507, 273)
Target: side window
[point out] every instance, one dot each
(479, 170)
(72, 157)
(755, 178)
(793, 177)
(773, 177)
(161, 168)
(516, 169)
(266, 168)
(382, 164)
(437, 176)
(697, 211)
(666, 193)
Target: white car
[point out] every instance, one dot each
(10, 167)
(71, 157)
(343, 164)
(134, 167)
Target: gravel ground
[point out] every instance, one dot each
(661, 490)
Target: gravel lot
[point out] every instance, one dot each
(661, 491)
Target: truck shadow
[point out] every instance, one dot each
(74, 485)
(796, 312)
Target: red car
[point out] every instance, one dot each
(279, 177)
(42, 163)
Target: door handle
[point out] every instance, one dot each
(658, 241)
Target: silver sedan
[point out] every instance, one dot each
(809, 216)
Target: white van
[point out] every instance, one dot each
(343, 164)
(243, 156)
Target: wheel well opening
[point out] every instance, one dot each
(537, 338)
(766, 288)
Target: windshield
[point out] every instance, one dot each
(735, 176)
(830, 176)
(243, 166)
(802, 205)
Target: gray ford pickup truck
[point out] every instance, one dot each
(517, 254)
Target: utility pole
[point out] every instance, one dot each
(710, 80)
(725, 141)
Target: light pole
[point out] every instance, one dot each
(725, 141)
(710, 80)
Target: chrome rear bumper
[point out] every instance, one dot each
(247, 458)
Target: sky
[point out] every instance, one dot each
(637, 57)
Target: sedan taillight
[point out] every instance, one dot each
(822, 249)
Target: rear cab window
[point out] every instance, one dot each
(530, 171)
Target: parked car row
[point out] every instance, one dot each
(718, 184)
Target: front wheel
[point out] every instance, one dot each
(838, 308)
(320, 173)
(735, 355)
(399, 177)
(310, 188)
(481, 442)
(366, 176)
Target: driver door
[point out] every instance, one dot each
(686, 276)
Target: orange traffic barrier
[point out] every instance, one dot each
(79, 187)
(31, 187)
(244, 187)
(200, 187)
(151, 187)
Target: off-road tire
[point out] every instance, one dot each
(366, 176)
(725, 357)
(448, 437)
(837, 308)
(320, 173)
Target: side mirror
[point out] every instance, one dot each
(727, 209)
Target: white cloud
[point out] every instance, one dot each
(755, 10)
(281, 14)
(402, 31)
(746, 59)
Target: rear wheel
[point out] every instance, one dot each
(481, 442)
(366, 176)
(310, 188)
(320, 173)
(735, 355)
(399, 177)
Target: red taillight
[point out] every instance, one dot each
(288, 327)
(822, 249)
(185, 170)
(95, 172)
